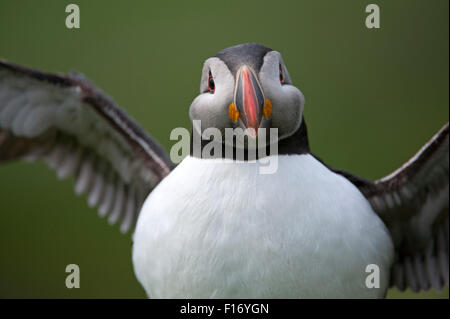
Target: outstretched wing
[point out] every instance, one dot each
(413, 202)
(79, 132)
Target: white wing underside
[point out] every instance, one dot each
(79, 132)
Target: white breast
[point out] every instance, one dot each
(223, 230)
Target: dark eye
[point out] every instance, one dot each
(211, 85)
(281, 75)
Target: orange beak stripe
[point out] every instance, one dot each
(267, 109)
(233, 112)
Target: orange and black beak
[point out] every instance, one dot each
(249, 104)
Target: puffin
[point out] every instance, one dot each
(218, 226)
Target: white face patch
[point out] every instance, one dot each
(212, 108)
(287, 100)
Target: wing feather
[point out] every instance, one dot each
(78, 131)
(413, 202)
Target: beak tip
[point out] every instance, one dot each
(253, 132)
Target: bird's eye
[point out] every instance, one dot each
(281, 75)
(211, 84)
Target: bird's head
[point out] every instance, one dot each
(248, 86)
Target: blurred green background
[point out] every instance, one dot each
(373, 98)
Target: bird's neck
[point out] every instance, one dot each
(297, 143)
